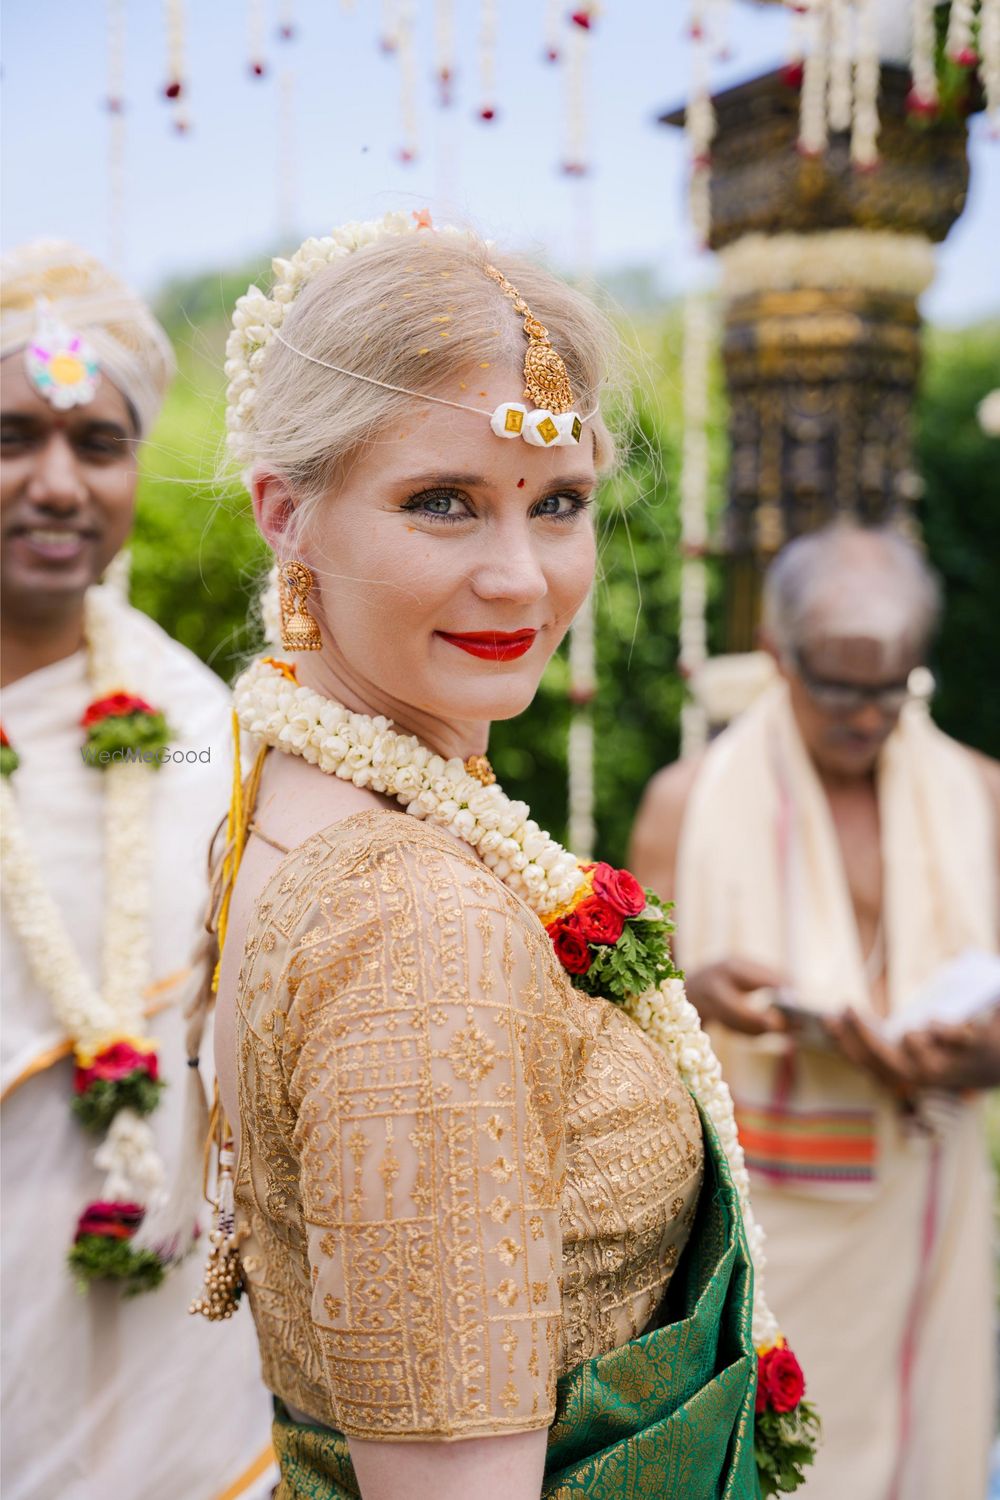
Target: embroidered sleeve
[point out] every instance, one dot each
(428, 1063)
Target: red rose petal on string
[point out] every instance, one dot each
(792, 75)
(487, 113)
(173, 89)
(257, 70)
(582, 18)
(552, 55)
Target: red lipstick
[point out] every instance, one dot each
(492, 645)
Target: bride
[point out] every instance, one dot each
(490, 1244)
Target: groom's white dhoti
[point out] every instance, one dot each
(105, 1398)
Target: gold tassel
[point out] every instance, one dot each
(223, 1285)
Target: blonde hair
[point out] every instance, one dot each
(416, 311)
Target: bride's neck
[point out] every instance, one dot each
(335, 679)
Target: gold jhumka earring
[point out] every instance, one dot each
(299, 631)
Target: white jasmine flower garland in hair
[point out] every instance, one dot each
(258, 317)
(116, 1080)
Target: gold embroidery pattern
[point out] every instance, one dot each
(460, 1175)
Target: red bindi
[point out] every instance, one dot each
(520, 484)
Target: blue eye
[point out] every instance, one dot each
(552, 508)
(438, 505)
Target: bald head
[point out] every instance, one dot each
(850, 582)
(849, 612)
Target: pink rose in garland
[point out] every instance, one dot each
(123, 1074)
(124, 727)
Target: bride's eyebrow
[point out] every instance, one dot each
(471, 480)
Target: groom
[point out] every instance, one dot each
(101, 1396)
(834, 842)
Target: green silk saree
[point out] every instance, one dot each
(669, 1416)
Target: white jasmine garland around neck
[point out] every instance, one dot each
(370, 753)
(94, 1017)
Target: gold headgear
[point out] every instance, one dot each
(546, 382)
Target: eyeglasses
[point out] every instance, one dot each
(843, 698)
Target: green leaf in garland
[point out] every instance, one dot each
(137, 734)
(94, 1257)
(98, 1105)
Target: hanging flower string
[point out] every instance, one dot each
(553, 17)
(116, 1081)
(611, 936)
(487, 111)
(175, 88)
(286, 21)
(575, 162)
(407, 81)
(923, 96)
(256, 52)
(116, 132)
(444, 50)
(699, 126)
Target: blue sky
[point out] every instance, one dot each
(212, 198)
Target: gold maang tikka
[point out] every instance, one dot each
(299, 631)
(546, 382)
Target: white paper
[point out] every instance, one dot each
(958, 991)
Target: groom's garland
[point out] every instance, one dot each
(610, 935)
(116, 1081)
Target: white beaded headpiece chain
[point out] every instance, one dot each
(257, 320)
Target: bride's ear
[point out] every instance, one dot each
(273, 509)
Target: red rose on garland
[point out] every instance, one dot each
(103, 1249)
(571, 947)
(112, 1221)
(121, 726)
(124, 1074)
(620, 889)
(780, 1382)
(115, 704)
(9, 758)
(115, 1063)
(597, 922)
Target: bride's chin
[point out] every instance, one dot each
(488, 705)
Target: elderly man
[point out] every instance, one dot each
(115, 771)
(832, 843)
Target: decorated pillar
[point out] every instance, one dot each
(821, 267)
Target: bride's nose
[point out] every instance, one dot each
(510, 568)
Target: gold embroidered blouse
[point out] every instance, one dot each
(459, 1176)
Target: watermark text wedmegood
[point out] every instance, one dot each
(160, 757)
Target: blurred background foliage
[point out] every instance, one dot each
(198, 561)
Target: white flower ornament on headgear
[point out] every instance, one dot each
(258, 320)
(60, 363)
